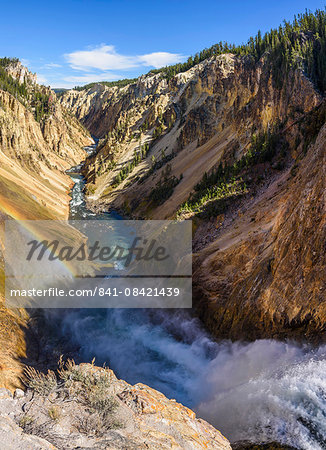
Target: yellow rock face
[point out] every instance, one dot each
(264, 275)
(33, 185)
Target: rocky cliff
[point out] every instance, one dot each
(264, 273)
(34, 157)
(20, 72)
(88, 407)
(39, 140)
(79, 405)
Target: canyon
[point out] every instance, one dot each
(268, 234)
(238, 147)
(34, 157)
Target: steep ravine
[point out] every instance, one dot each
(259, 275)
(38, 143)
(197, 119)
(264, 275)
(147, 419)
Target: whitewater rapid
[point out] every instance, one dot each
(258, 392)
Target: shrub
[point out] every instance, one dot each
(39, 382)
(25, 421)
(226, 182)
(54, 413)
(87, 386)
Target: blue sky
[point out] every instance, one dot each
(74, 42)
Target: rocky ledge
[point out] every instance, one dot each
(84, 406)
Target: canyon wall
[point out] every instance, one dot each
(34, 157)
(33, 185)
(264, 273)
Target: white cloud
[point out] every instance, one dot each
(91, 77)
(105, 57)
(42, 80)
(51, 66)
(160, 59)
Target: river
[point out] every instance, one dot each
(262, 391)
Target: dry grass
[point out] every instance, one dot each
(42, 384)
(54, 413)
(25, 421)
(87, 386)
(12, 346)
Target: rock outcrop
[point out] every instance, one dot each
(89, 407)
(34, 157)
(264, 274)
(93, 409)
(21, 73)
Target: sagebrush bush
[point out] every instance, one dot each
(39, 382)
(90, 387)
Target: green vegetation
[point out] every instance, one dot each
(9, 84)
(5, 62)
(165, 187)
(297, 44)
(129, 167)
(118, 83)
(89, 388)
(300, 44)
(40, 383)
(41, 103)
(157, 164)
(163, 190)
(31, 97)
(213, 200)
(311, 123)
(212, 193)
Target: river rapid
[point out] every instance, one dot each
(264, 391)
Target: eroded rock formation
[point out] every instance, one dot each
(189, 125)
(264, 275)
(34, 155)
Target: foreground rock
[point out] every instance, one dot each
(88, 407)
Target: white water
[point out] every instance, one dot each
(258, 392)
